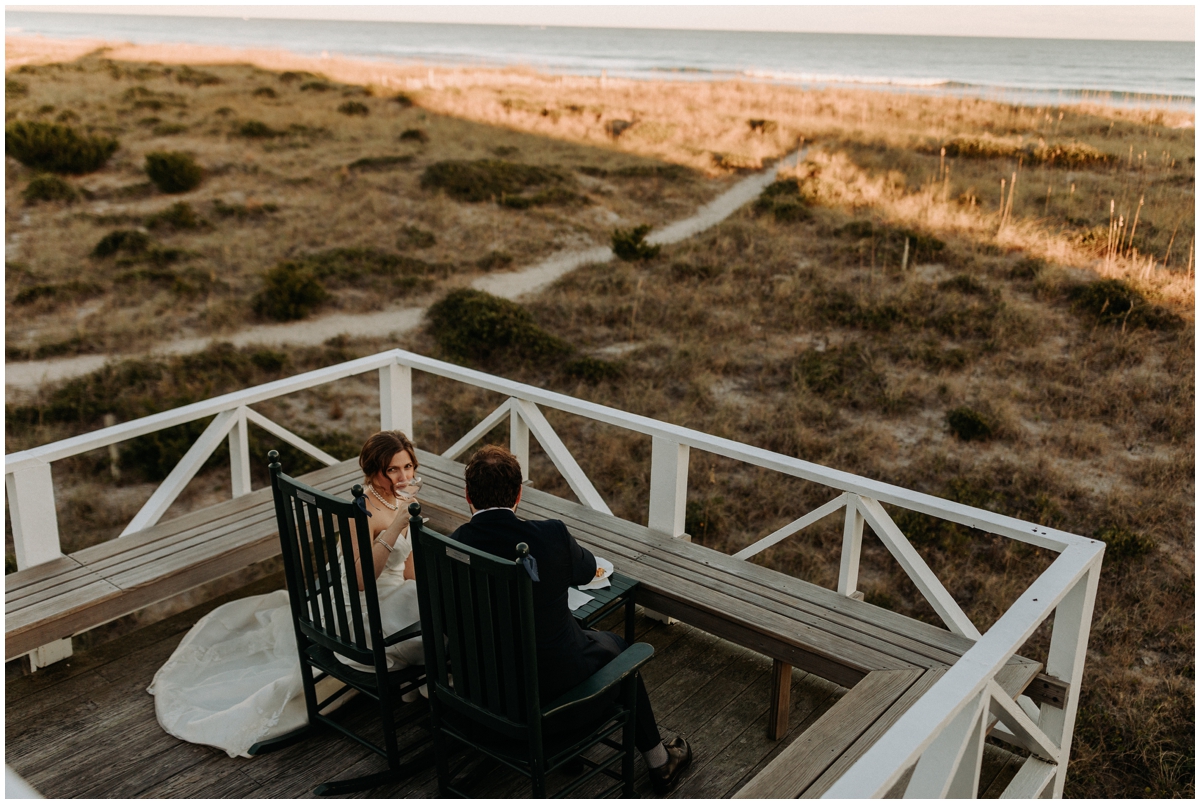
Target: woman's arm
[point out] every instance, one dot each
(379, 549)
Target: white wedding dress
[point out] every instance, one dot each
(234, 680)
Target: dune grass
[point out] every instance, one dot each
(284, 174)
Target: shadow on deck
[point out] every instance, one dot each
(86, 727)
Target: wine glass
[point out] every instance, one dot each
(407, 493)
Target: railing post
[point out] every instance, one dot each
(239, 455)
(1068, 648)
(395, 398)
(668, 486)
(35, 538)
(518, 439)
(851, 549)
(34, 517)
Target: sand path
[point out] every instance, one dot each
(28, 376)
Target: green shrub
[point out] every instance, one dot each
(48, 187)
(551, 196)
(404, 101)
(168, 129)
(187, 284)
(1113, 302)
(415, 237)
(485, 179)
(353, 108)
(242, 211)
(196, 78)
(290, 292)
(470, 325)
(316, 86)
(1123, 543)
(176, 217)
(969, 424)
(784, 199)
(129, 241)
(265, 92)
(380, 162)
(592, 370)
(15, 89)
(59, 292)
(358, 266)
(889, 241)
(494, 260)
(173, 171)
(630, 245)
(257, 130)
(414, 135)
(56, 148)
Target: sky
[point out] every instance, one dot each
(1092, 21)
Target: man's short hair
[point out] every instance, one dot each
(493, 478)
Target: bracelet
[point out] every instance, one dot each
(379, 541)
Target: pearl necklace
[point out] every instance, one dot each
(386, 504)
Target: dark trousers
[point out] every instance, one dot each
(646, 734)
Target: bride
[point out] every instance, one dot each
(234, 680)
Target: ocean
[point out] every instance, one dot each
(1032, 71)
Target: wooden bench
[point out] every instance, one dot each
(796, 623)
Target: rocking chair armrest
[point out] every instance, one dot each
(409, 632)
(604, 679)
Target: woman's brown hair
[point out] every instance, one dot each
(379, 450)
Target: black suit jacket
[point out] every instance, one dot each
(565, 655)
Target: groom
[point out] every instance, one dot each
(567, 654)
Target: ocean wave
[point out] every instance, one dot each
(834, 78)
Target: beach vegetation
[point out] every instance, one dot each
(495, 261)
(630, 244)
(15, 89)
(250, 210)
(122, 241)
(488, 179)
(290, 291)
(403, 100)
(57, 292)
(414, 237)
(1116, 303)
(381, 162)
(474, 327)
(56, 148)
(48, 187)
(257, 130)
(414, 135)
(354, 109)
(968, 424)
(180, 216)
(173, 172)
(784, 200)
(196, 78)
(265, 92)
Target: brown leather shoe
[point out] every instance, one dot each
(679, 756)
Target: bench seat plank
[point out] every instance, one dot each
(875, 637)
(61, 616)
(803, 762)
(873, 732)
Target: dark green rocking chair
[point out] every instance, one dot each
(483, 686)
(331, 621)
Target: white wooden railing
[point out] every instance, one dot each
(941, 734)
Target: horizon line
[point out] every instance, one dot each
(262, 13)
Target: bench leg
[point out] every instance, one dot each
(47, 655)
(781, 700)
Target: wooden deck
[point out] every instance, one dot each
(85, 728)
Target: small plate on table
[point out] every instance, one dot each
(604, 569)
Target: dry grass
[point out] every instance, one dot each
(269, 198)
(807, 338)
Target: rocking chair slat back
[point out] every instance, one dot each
(471, 600)
(322, 533)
